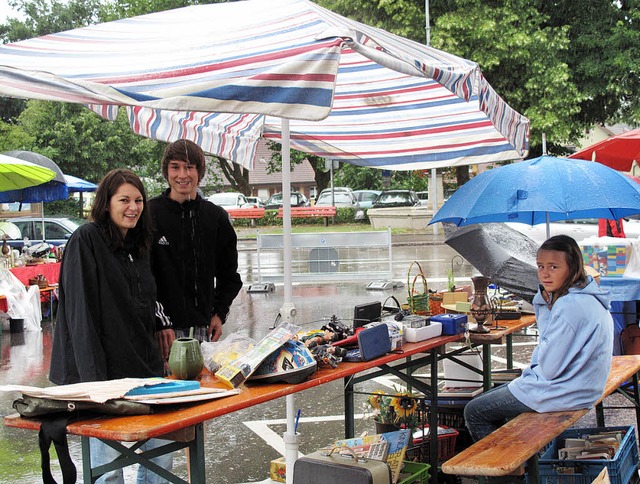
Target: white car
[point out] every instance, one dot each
(228, 200)
(578, 229)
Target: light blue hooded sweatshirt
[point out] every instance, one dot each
(570, 365)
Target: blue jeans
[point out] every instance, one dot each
(489, 410)
(101, 454)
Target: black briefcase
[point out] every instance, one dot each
(331, 467)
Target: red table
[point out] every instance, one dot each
(49, 270)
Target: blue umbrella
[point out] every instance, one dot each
(542, 190)
(75, 184)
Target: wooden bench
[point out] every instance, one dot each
(326, 211)
(506, 450)
(252, 213)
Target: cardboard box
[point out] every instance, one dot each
(454, 297)
(609, 260)
(278, 470)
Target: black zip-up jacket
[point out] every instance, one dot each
(106, 320)
(194, 258)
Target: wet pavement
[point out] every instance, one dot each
(240, 446)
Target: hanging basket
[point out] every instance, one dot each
(418, 302)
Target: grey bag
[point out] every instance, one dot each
(324, 467)
(55, 415)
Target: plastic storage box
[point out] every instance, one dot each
(621, 468)
(418, 473)
(451, 323)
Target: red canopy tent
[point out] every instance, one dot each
(617, 152)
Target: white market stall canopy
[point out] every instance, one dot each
(352, 92)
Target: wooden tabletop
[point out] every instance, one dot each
(173, 418)
(509, 326)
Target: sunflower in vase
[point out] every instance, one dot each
(397, 410)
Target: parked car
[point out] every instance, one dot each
(256, 202)
(297, 200)
(341, 199)
(229, 200)
(578, 229)
(396, 198)
(57, 230)
(424, 198)
(366, 197)
(335, 190)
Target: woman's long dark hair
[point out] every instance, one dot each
(577, 275)
(140, 236)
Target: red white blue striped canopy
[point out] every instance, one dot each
(224, 74)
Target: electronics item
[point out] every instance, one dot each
(413, 335)
(415, 321)
(456, 375)
(366, 313)
(374, 342)
(323, 467)
(451, 323)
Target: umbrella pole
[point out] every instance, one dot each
(548, 227)
(42, 209)
(288, 311)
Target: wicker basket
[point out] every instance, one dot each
(418, 302)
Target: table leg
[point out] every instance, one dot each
(510, 351)
(486, 367)
(349, 408)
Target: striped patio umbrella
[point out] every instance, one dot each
(352, 92)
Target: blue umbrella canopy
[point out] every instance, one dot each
(75, 184)
(543, 189)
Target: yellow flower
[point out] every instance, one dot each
(374, 400)
(403, 404)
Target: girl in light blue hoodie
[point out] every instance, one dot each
(570, 365)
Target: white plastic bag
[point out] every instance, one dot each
(633, 260)
(219, 353)
(22, 303)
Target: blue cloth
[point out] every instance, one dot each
(624, 292)
(621, 288)
(570, 365)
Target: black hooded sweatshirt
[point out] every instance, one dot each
(194, 258)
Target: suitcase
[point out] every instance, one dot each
(331, 467)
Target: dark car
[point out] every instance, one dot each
(57, 230)
(396, 198)
(297, 200)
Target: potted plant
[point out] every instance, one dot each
(394, 411)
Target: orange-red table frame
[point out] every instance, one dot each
(114, 429)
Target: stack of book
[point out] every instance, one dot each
(599, 446)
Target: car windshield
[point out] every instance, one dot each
(393, 198)
(366, 196)
(339, 197)
(224, 199)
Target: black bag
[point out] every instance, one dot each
(55, 415)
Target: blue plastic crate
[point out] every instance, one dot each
(621, 468)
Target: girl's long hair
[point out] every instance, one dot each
(140, 236)
(577, 275)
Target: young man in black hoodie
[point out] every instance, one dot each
(194, 255)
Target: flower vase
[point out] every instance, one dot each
(480, 304)
(382, 427)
